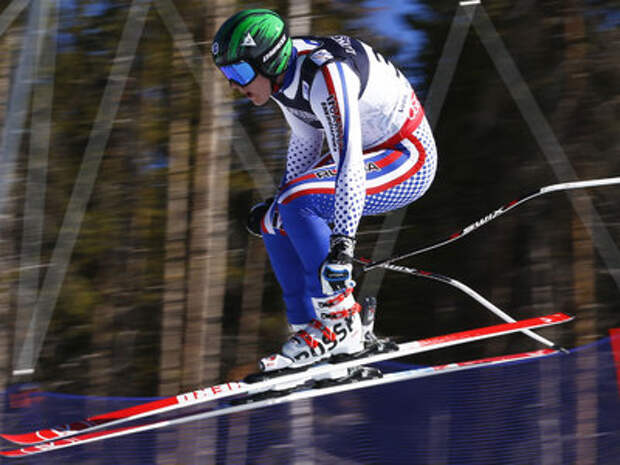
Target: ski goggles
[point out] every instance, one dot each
(241, 73)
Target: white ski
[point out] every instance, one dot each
(307, 394)
(238, 388)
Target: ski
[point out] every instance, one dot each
(238, 388)
(129, 414)
(307, 394)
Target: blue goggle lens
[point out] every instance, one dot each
(241, 73)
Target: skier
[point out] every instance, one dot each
(381, 157)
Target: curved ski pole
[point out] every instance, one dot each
(500, 211)
(471, 293)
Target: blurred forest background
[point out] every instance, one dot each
(163, 290)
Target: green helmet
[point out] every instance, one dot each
(257, 36)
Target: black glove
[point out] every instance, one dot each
(257, 212)
(337, 270)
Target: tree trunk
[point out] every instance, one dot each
(209, 224)
(251, 307)
(584, 268)
(585, 329)
(177, 231)
(208, 237)
(7, 247)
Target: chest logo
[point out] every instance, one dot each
(321, 57)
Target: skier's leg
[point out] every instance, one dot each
(396, 176)
(287, 267)
(309, 236)
(335, 326)
(295, 264)
(405, 172)
(289, 272)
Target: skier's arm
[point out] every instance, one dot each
(334, 100)
(304, 147)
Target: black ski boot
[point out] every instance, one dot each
(373, 344)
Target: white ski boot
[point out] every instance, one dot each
(336, 330)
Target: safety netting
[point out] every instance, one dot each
(562, 409)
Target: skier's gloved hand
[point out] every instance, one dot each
(257, 212)
(337, 270)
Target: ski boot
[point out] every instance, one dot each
(337, 330)
(342, 331)
(373, 344)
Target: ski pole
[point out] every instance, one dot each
(471, 293)
(500, 211)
